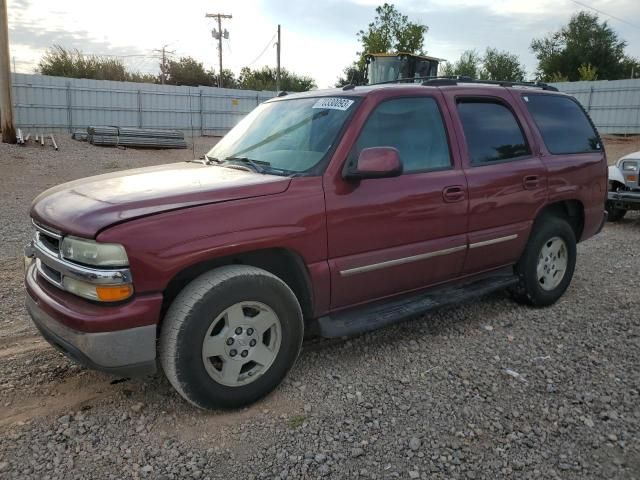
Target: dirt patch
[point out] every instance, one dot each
(70, 394)
(618, 146)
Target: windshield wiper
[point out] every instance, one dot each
(205, 160)
(255, 164)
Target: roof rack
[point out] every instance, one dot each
(502, 83)
(446, 80)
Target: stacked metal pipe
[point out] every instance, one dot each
(135, 137)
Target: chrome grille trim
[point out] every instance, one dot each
(46, 230)
(44, 274)
(79, 272)
(52, 267)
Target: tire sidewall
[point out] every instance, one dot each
(546, 229)
(196, 383)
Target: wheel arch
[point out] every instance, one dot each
(281, 262)
(571, 210)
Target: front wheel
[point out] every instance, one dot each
(546, 267)
(230, 337)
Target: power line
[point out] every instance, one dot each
(605, 14)
(164, 67)
(117, 56)
(263, 51)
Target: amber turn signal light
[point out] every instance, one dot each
(113, 293)
(632, 178)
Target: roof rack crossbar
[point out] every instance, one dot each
(503, 83)
(442, 80)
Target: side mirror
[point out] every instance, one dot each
(376, 162)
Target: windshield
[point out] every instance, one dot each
(287, 135)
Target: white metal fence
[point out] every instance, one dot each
(613, 105)
(58, 104)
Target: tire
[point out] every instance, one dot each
(614, 214)
(541, 287)
(194, 347)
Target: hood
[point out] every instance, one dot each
(86, 206)
(630, 156)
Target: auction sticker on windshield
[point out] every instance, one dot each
(333, 103)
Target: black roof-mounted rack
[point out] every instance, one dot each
(501, 83)
(448, 80)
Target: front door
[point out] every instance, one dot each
(392, 235)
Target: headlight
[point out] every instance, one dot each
(93, 253)
(630, 166)
(101, 293)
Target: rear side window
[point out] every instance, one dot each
(563, 125)
(414, 126)
(492, 131)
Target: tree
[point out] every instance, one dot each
(351, 75)
(501, 65)
(583, 41)
(468, 65)
(188, 71)
(62, 62)
(229, 79)
(587, 72)
(265, 79)
(631, 67)
(390, 32)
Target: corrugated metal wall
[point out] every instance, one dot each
(613, 105)
(58, 104)
(64, 104)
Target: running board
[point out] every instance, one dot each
(387, 312)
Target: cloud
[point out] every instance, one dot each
(318, 37)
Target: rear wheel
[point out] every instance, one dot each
(230, 337)
(546, 267)
(614, 214)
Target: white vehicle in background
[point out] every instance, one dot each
(624, 187)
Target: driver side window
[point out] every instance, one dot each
(413, 126)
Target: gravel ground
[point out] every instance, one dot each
(486, 390)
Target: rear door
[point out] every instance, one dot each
(506, 178)
(391, 235)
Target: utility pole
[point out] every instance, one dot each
(163, 65)
(6, 104)
(219, 34)
(278, 62)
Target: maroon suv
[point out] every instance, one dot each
(325, 213)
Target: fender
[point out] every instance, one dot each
(159, 246)
(615, 175)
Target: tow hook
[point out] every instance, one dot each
(29, 255)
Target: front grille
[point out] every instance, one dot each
(51, 274)
(54, 268)
(50, 243)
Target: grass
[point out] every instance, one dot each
(295, 422)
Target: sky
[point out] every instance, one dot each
(318, 36)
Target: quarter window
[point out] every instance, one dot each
(563, 125)
(491, 131)
(414, 126)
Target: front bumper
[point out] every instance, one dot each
(125, 352)
(626, 200)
